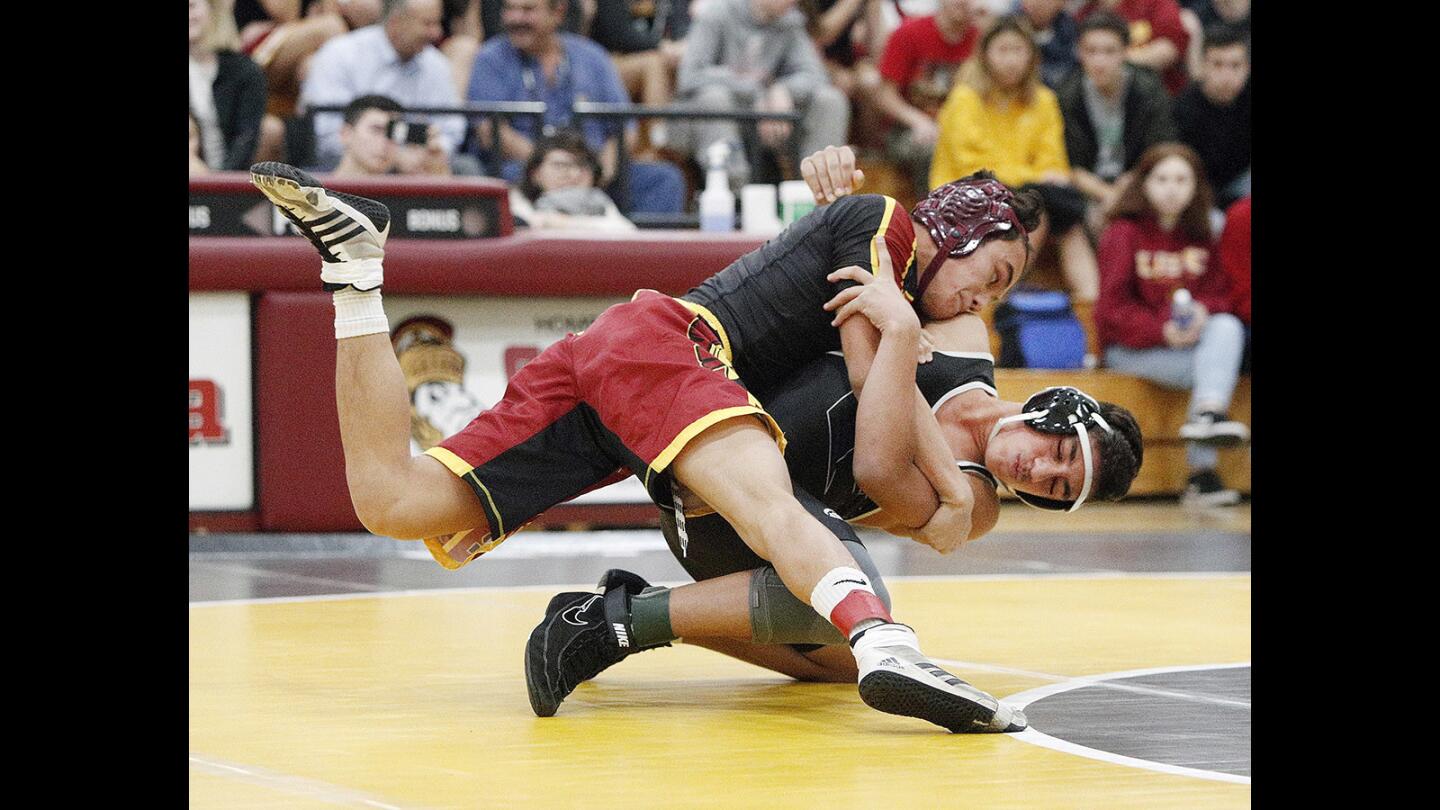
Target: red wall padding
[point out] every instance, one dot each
(525, 264)
(302, 465)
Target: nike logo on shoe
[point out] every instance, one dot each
(577, 610)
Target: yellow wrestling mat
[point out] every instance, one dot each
(417, 700)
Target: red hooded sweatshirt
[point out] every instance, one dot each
(1141, 266)
(1235, 257)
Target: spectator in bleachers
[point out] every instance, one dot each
(1000, 117)
(894, 13)
(1056, 34)
(917, 70)
(1113, 112)
(1201, 14)
(1235, 261)
(646, 39)
(282, 37)
(847, 33)
(1158, 38)
(227, 90)
(394, 58)
(534, 60)
(371, 147)
(1159, 241)
(558, 188)
(756, 54)
(573, 19)
(197, 163)
(1213, 115)
(460, 38)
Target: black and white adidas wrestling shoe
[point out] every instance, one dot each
(349, 231)
(896, 678)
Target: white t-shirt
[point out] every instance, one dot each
(202, 102)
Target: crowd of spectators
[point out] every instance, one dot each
(1102, 106)
(1123, 74)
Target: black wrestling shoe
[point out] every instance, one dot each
(349, 231)
(896, 678)
(582, 635)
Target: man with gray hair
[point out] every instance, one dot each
(756, 54)
(396, 58)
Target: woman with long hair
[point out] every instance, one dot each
(1000, 117)
(1164, 312)
(227, 90)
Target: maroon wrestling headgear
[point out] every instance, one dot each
(959, 215)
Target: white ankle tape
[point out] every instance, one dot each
(359, 313)
(835, 586)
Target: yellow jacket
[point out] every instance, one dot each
(1018, 144)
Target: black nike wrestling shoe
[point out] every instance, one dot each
(896, 678)
(349, 231)
(582, 635)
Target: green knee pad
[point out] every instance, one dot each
(777, 616)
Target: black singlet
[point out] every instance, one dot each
(770, 301)
(816, 409)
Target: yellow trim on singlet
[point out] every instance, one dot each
(441, 551)
(464, 470)
(714, 324)
(454, 463)
(884, 224)
(890, 205)
(709, 420)
(500, 522)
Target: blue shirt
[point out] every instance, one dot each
(585, 73)
(363, 62)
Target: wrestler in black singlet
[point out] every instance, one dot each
(771, 300)
(817, 409)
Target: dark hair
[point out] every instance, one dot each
(1133, 204)
(564, 140)
(1121, 452)
(1223, 35)
(1106, 21)
(363, 104)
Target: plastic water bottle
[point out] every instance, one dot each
(1182, 308)
(717, 201)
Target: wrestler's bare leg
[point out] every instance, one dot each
(736, 468)
(395, 494)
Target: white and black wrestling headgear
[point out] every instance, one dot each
(1061, 410)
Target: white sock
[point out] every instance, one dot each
(836, 588)
(359, 313)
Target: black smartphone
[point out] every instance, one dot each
(406, 132)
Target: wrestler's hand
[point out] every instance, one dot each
(947, 529)
(927, 348)
(875, 296)
(831, 173)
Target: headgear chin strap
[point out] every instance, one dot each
(1061, 410)
(959, 215)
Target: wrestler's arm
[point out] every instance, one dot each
(890, 450)
(955, 516)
